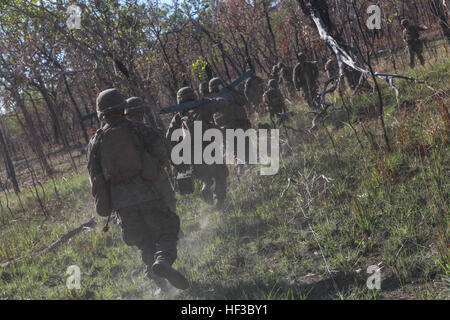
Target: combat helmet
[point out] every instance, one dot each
(109, 100)
(134, 105)
(404, 23)
(215, 85)
(186, 94)
(272, 83)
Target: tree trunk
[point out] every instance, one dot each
(77, 109)
(32, 135)
(52, 110)
(8, 163)
(441, 14)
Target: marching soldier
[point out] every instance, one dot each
(305, 78)
(411, 35)
(125, 160)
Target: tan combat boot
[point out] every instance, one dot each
(163, 269)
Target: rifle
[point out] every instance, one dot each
(224, 93)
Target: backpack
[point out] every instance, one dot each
(123, 156)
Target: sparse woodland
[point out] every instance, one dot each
(363, 181)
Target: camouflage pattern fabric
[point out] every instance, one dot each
(274, 101)
(153, 228)
(253, 90)
(207, 174)
(411, 35)
(286, 81)
(147, 219)
(305, 79)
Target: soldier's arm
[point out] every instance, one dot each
(94, 167)
(174, 124)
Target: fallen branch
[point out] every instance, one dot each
(90, 224)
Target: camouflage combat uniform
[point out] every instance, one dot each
(207, 174)
(273, 100)
(305, 78)
(286, 81)
(411, 35)
(254, 89)
(147, 221)
(232, 115)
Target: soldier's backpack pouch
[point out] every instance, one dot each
(120, 156)
(185, 182)
(100, 191)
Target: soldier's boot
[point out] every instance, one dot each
(160, 282)
(163, 269)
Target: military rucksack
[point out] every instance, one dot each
(122, 156)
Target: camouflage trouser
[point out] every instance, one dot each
(153, 228)
(310, 93)
(208, 174)
(274, 112)
(415, 48)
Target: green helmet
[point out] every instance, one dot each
(186, 94)
(204, 88)
(215, 85)
(109, 100)
(134, 105)
(272, 83)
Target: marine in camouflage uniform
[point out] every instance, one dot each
(207, 174)
(234, 116)
(411, 35)
(274, 101)
(285, 80)
(305, 78)
(253, 90)
(147, 221)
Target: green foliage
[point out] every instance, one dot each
(198, 69)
